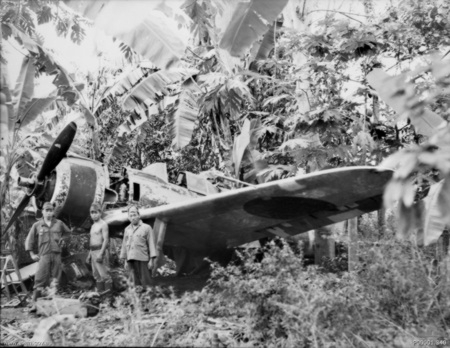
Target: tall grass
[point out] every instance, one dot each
(397, 295)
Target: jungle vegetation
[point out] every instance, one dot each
(259, 91)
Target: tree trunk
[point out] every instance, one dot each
(376, 109)
(352, 244)
(443, 248)
(381, 219)
(324, 246)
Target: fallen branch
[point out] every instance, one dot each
(156, 334)
(12, 333)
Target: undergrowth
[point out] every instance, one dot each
(397, 295)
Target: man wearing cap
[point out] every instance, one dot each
(98, 254)
(47, 235)
(139, 249)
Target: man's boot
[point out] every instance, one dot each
(100, 287)
(36, 295)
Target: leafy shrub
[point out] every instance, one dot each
(395, 297)
(397, 294)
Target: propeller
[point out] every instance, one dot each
(55, 154)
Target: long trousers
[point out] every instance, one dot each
(100, 270)
(139, 273)
(49, 267)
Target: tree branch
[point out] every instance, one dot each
(342, 13)
(445, 54)
(401, 60)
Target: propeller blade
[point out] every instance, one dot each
(38, 211)
(18, 211)
(58, 150)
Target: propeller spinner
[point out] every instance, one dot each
(36, 184)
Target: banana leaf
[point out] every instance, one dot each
(184, 118)
(433, 221)
(250, 20)
(154, 87)
(24, 89)
(149, 33)
(34, 108)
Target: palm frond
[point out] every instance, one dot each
(250, 20)
(154, 87)
(184, 118)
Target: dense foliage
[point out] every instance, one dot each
(302, 85)
(304, 91)
(396, 296)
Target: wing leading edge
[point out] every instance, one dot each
(285, 207)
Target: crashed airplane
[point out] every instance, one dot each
(196, 219)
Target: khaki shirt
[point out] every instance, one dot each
(138, 243)
(48, 238)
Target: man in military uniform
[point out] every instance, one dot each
(47, 235)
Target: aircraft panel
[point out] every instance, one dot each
(289, 206)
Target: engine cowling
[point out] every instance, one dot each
(75, 184)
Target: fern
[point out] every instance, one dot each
(8, 15)
(62, 27)
(201, 21)
(26, 21)
(44, 15)
(39, 38)
(78, 33)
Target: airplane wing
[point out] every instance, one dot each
(285, 208)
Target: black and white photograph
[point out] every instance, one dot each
(225, 173)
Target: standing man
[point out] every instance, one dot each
(98, 254)
(138, 249)
(47, 235)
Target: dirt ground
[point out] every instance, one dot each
(18, 325)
